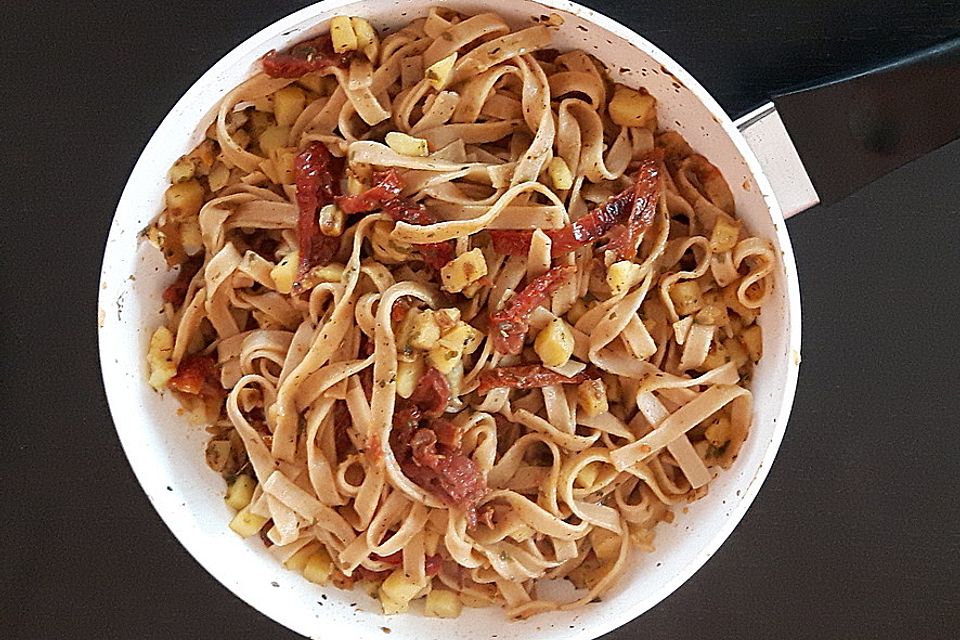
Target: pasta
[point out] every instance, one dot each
(461, 317)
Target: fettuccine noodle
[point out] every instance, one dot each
(461, 317)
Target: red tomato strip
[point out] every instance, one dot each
(633, 209)
(197, 375)
(510, 324)
(303, 58)
(316, 174)
(387, 186)
(525, 376)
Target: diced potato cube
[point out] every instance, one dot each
(247, 524)
(354, 185)
(716, 357)
(424, 331)
(240, 492)
(438, 74)
(592, 397)
(407, 145)
(630, 108)
(182, 170)
(342, 34)
(463, 270)
(725, 234)
(718, 432)
(686, 297)
(401, 588)
(332, 272)
(288, 103)
(622, 275)
(560, 174)
(273, 138)
(219, 177)
(285, 272)
(714, 311)
(443, 359)
(191, 237)
(587, 475)
(331, 220)
(186, 198)
(319, 567)
(159, 357)
(391, 606)
(298, 561)
(463, 337)
(442, 603)
(747, 315)
(736, 351)
(284, 160)
(447, 319)
(408, 375)
(554, 343)
(367, 39)
(605, 544)
(752, 338)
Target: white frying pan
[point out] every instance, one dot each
(767, 177)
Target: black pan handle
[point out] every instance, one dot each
(849, 131)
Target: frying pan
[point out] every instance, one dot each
(818, 143)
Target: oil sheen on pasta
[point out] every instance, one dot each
(459, 315)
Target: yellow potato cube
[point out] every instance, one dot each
(622, 275)
(159, 356)
(408, 375)
(273, 138)
(299, 560)
(686, 297)
(288, 103)
(560, 174)
(342, 34)
(736, 352)
(587, 475)
(407, 145)
(463, 337)
(592, 398)
(367, 39)
(752, 339)
(219, 177)
(240, 492)
(284, 160)
(401, 588)
(246, 524)
(182, 170)
(285, 272)
(331, 220)
(605, 544)
(438, 74)
(718, 432)
(391, 606)
(441, 603)
(186, 198)
(444, 359)
(554, 343)
(725, 234)
(319, 567)
(424, 331)
(631, 108)
(332, 272)
(447, 319)
(463, 270)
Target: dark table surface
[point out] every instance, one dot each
(856, 533)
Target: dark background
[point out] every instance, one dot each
(856, 533)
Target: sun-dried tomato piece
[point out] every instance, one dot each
(431, 394)
(303, 58)
(316, 173)
(525, 376)
(510, 324)
(197, 375)
(646, 192)
(387, 186)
